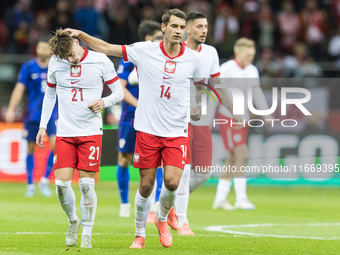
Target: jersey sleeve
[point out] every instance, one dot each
(23, 74)
(135, 52)
(215, 66)
(124, 69)
(51, 79)
(108, 71)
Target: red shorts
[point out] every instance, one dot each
(232, 137)
(82, 153)
(200, 146)
(151, 150)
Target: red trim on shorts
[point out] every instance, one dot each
(125, 58)
(51, 85)
(215, 75)
(112, 80)
(86, 52)
(181, 52)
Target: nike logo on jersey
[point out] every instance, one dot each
(166, 78)
(183, 162)
(74, 82)
(93, 164)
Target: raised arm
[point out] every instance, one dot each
(97, 44)
(17, 94)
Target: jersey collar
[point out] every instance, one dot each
(238, 63)
(199, 50)
(86, 52)
(161, 45)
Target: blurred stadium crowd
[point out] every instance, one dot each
(294, 38)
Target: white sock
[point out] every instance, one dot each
(67, 198)
(197, 180)
(167, 200)
(222, 191)
(240, 186)
(182, 200)
(142, 207)
(88, 204)
(152, 197)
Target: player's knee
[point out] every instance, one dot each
(146, 189)
(62, 188)
(171, 185)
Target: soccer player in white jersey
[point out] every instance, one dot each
(200, 136)
(245, 75)
(76, 76)
(161, 117)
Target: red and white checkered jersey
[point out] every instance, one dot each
(243, 78)
(76, 87)
(211, 68)
(164, 87)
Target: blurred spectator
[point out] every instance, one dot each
(268, 65)
(289, 26)
(334, 49)
(314, 21)
(300, 65)
(41, 29)
(266, 26)
(3, 36)
(226, 30)
(19, 20)
(86, 18)
(249, 26)
(62, 15)
(121, 25)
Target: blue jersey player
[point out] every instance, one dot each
(32, 78)
(127, 73)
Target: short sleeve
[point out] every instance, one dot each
(23, 74)
(109, 73)
(199, 71)
(256, 77)
(135, 52)
(124, 69)
(215, 66)
(51, 80)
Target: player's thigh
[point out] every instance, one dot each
(174, 151)
(88, 152)
(86, 174)
(30, 134)
(147, 153)
(147, 176)
(124, 158)
(241, 152)
(51, 141)
(64, 173)
(201, 147)
(126, 138)
(65, 153)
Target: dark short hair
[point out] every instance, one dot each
(148, 27)
(191, 16)
(175, 12)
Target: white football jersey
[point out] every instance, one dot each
(164, 87)
(211, 68)
(76, 87)
(233, 74)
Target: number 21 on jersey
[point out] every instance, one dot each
(77, 95)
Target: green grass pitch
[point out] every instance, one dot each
(288, 220)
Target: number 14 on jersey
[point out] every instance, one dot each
(165, 92)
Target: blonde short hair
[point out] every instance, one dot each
(244, 42)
